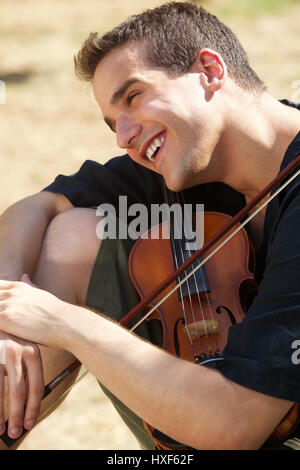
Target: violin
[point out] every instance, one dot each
(196, 317)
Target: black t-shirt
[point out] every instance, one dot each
(261, 350)
(259, 354)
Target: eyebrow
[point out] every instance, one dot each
(120, 92)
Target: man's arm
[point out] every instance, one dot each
(22, 228)
(191, 403)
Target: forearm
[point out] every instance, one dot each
(22, 228)
(192, 404)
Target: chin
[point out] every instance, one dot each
(177, 184)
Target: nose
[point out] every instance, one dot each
(126, 131)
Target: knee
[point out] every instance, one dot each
(70, 234)
(68, 252)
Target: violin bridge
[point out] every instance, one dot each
(202, 328)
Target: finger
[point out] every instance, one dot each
(25, 278)
(35, 385)
(16, 391)
(2, 418)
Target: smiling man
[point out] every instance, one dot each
(176, 87)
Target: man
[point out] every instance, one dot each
(175, 86)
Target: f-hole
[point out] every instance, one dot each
(228, 311)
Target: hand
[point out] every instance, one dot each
(24, 371)
(31, 313)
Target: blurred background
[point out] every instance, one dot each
(50, 124)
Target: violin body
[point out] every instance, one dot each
(195, 328)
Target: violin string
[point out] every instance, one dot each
(188, 287)
(182, 261)
(198, 291)
(176, 260)
(188, 284)
(194, 275)
(198, 294)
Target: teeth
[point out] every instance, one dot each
(153, 147)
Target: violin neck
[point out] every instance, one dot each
(184, 244)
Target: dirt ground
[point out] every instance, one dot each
(50, 125)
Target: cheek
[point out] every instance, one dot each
(154, 109)
(163, 108)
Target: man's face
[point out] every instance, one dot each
(165, 123)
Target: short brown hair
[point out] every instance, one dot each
(173, 33)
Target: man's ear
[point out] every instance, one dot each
(212, 68)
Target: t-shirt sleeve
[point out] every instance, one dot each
(94, 183)
(260, 353)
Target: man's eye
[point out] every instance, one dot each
(131, 97)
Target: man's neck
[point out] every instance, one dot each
(262, 139)
(256, 143)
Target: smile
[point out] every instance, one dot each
(153, 148)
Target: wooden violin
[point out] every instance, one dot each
(195, 319)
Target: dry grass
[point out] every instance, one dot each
(50, 124)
